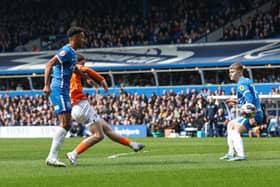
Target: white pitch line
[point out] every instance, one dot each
(124, 154)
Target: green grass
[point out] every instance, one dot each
(165, 162)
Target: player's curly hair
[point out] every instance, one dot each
(74, 30)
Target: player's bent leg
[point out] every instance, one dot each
(98, 135)
(111, 134)
(238, 129)
(86, 143)
(120, 139)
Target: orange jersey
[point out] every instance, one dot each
(76, 88)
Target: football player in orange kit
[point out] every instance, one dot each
(83, 113)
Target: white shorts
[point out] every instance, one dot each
(83, 113)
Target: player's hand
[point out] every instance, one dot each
(252, 122)
(47, 90)
(231, 102)
(104, 85)
(92, 83)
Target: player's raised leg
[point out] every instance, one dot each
(238, 129)
(87, 143)
(120, 139)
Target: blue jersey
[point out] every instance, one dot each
(60, 83)
(62, 72)
(246, 93)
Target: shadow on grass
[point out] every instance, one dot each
(137, 163)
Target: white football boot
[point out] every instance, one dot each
(54, 163)
(72, 158)
(136, 146)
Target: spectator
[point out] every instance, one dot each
(211, 118)
(170, 110)
(121, 23)
(260, 26)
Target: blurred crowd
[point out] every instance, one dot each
(177, 111)
(26, 111)
(116, 23)
(147, 79)
(266, 77)
(262, 25)
(120, 23)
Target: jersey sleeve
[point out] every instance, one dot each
(244, 89)
(93, 74)
(63, 56)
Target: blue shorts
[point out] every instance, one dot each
(245, 122)
(61, 101)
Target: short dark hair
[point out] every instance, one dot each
(80, 57)
(74, 30)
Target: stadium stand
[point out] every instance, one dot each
(262, 25)
(121, 23)
(169, 110)
(143, 91)
(160, 95)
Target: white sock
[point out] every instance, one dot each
(132, 144)
(238, 143)
(57, 141)
(74, 153)
(230, 141)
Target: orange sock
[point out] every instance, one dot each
(124, 141)
(81, 148)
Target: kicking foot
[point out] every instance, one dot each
(72, 158)
(54, 163)
(136, 146)
(226, 157)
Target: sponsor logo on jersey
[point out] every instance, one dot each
(62, 53)
(241, 88)
(56, 107)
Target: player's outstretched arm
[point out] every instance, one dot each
(104, 85)
(94, 75)
(92, 82)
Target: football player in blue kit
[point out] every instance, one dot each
(62, 65)
(246, 93)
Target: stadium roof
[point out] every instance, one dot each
(219, 54)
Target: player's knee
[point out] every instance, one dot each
(230, 125)
(99, 137)
(65, 121)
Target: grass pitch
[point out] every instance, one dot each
(164, 162)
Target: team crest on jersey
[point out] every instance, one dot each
(56, 107)
(241, 88)
(62, 53)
